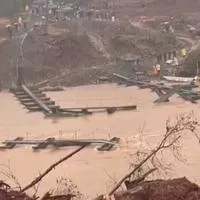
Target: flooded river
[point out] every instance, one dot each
(91, 170)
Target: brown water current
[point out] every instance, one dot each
(91, 170)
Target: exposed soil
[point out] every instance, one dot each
(3, 33)
(83, 47)
(67, 51)
(156, 7)
(175, 189)
(85, 50)
(8, 57)
(88, 55)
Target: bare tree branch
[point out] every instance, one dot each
(110, 177)
(48, 196)
(132, 172)
(170, 138)
(8, 173)
(49, 169)
(35, 189)
(142, 178)
(172, 143)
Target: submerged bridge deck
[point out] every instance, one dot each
(105, 145)
(35, 100)
(39, 102)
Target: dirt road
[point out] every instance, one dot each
(192, 44)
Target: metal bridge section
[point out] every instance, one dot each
(35, 100)
(103, 145)
(164, 92)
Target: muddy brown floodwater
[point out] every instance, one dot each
(91, 170)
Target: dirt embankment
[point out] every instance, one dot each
(3, 32)
(132, 8)
(84, 57)
(175, 189)
(67, 51)
(8, 57)
(171, 7)
(46, 56)
(92, 52)
(129, 8)
(86, 50)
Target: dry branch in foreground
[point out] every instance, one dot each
(174, 133)
(49, 169)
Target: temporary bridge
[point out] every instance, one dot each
(164, 92)
(104, 145)
(35, 100)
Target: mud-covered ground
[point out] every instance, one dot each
(80, 52)
(88, 49)
(163, 190)
(175, 189)
(84, 53)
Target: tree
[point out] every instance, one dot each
(171, 140)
